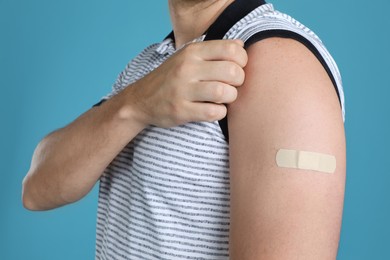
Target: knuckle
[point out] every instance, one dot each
(218, 92)
(190, 48)
(233, 71)
(245, 57)
(234, 94)
(185, 53)
(215, 112)
(231, 49)
(175, 112)
(211, 113)
(182, 68)
(241, 76)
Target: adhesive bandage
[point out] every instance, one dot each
(306, 160)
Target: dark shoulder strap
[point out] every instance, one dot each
(238, 10)
(229, 17)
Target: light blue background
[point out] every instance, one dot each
(57, 58)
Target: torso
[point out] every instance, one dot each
(166, 195)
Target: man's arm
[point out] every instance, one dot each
(286, 102)
(67, 163)
(190, 86)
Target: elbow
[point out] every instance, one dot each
(29, 204)
(37, 197)
(30, 197)
(27, 199)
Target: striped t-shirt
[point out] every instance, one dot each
(166, 195)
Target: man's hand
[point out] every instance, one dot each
(192, 85)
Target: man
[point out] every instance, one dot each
(172, 186)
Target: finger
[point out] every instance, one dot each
(223, 71)
(208, 112)
(228, 50)
(213, 91)
(239, 42)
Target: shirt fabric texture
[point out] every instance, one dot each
(166, 195)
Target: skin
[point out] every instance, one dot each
(279, 96)
(191, 18)
(287, 101)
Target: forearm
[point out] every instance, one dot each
(67, 163)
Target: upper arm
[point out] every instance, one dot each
(287, 101)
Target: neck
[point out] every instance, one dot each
(191, 18)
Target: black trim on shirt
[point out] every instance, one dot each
(100, 102)
(292, 35)
(223, 123)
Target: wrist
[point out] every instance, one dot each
(128, 110)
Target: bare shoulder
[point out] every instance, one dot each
(287, 101)
(287, 90)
